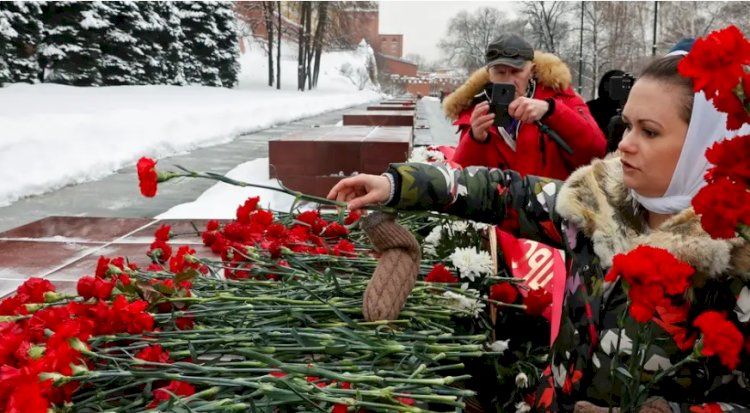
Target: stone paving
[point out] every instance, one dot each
(61, 234)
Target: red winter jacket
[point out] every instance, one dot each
(536, 153)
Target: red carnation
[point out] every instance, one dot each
(212, 225)
(715, 62)
(722, 205)
(537, 301)
(729, 103)
(162, 233)
(343, 248)
(244, 210)
(147, 177)
(33, 289)
(178, 388)
(154, 353)
(334, 230)
(352, 217)
(720, 338)
(651, 274)
(184, 323)
(262, 217)
(159, 251)
(308, 217)
(89, 287)
(504, 292)
(441, 274)
(731, 159)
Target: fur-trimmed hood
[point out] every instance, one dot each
(595, 199)
(549, 70)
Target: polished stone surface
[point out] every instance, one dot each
(64, 249)
(379, 118)
(390, 107)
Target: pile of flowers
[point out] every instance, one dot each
(274, 320)
(719, 66)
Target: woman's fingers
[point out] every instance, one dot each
(345, 186)
(363, 201)
(361, 190)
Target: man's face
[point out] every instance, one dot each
(509, 74)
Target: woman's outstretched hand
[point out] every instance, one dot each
(361, 190)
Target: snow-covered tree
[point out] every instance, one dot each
(198, 21)
(20, 39)
(123, 60)
(161, 37)
(7, 34)
(71, 52)
(227, 50)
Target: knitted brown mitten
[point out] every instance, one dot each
(397, 268)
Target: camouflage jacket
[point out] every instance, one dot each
(593, 217)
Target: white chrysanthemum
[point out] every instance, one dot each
(435, 154)
(479, 226)
(434, 236)
(459, 226)
(465, 304)
(429, 249)
(522, 407)
(419, 154)
(471, 263)
(522, 380)
(499, 346)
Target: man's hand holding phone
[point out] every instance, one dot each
(527, 109)
(481, 120)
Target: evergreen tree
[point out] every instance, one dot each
(70, 51)
(7, 34)
(176, 56)
(227, 50)
(161, 37)
(123, 60)
(149, 32)
(25, 20)
(199, 26)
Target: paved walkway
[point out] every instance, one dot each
(117, 195)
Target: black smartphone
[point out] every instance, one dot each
(502, 95)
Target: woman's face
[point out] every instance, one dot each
(509, 74)
(653, 137)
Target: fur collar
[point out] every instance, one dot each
(549, 70)
(595, 199)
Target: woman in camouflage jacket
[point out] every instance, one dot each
(604, 209)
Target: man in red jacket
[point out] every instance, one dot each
(544, 94)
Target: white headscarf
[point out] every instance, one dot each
(707, 126)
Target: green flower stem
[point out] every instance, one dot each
(267, 388)
(744, 231)
(102, 393)
(689, 359)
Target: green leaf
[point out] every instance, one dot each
(624, 373)
(186, 275)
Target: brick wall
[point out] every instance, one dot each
(363, 24)
(251, 12)
(391, 65)
(421, 89)
(392, 44)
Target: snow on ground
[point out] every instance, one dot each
(221, 200)
(54, 135)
